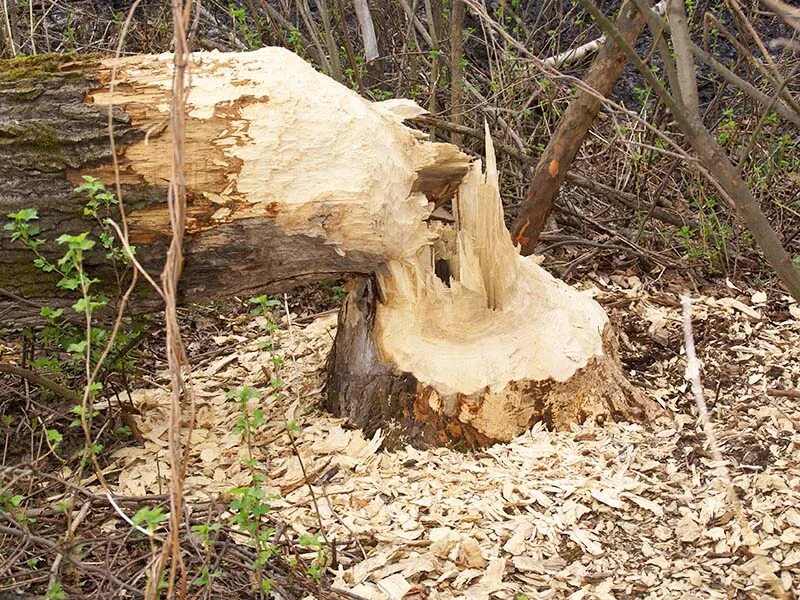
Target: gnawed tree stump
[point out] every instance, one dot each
(483, 356)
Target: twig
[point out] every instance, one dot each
(81, 566)
(722, 173)
(176, 351)
(776, 393)
(693, 374)
(73, 527)
(41, 381)
(575, 54)
(129, 521)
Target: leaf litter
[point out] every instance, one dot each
(611, 512)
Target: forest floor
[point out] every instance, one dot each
(612, 512)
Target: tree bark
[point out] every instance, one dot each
(557, 157)
(291, 178)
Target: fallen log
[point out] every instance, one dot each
(453, 338)
(291, 177)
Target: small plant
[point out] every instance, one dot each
(73, 350)
(382, 94)
(204, 531)
(10, 503)
(642, 95)
(336, 290)
(149, 518)
(262, 306)
(315, 542)
(294, 40)
(55, 592)
(241, 26)
(206, 577)
(249, 507)
(727, 127)
(250, 420)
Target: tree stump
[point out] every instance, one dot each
(480, 357)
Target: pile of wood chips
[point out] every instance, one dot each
(613, 512)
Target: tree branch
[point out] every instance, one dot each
(41, 381)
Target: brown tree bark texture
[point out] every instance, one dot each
(291, 177)
(556, 159)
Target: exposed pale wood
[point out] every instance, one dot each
(292, 177)
(483, 356)
(286, 186)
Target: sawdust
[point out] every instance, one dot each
(613, 512)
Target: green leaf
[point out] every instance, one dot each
(54, 437)
(26, 214)
(51, 313)
(69, 283)
(43, 265)
(77, 348)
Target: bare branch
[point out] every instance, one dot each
(684, 61)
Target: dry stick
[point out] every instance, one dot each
(776, 393)
(787, 112)
(717, 163)
(73, 527)
(275, 15)
(348, 47)
(413, 19)
(774, 77)
(9, 21)
(656, 23)
(32, 26)
(615, 195)
(86, 400)
(435, 60)
(367, 30)
(693, 374)
(563, 147)
(79, 565)
(776, 80)
(760, 124)
(305, 12)
(684, 62)
(573, 55)
(333, 49)
(41, 381)
(789, 14)
(176, 352)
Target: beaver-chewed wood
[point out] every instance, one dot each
(483, 356)
(291, 177)
(452, 337)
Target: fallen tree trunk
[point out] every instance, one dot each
(291, 178)
(453, 338)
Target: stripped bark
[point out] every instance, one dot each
(457, 336)
(273, 199)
